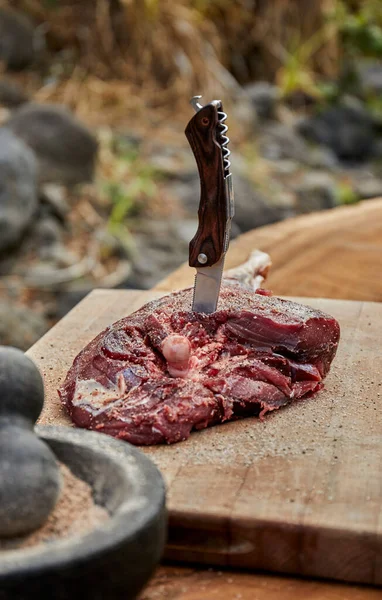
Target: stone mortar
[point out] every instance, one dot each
(115, 560)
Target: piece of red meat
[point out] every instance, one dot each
(157, 374)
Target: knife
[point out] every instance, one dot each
(206, 134)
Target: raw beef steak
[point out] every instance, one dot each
(157, 374)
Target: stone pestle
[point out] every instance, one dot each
(29, 474)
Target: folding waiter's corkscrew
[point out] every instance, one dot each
(206, 133)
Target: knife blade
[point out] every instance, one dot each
(206, 134)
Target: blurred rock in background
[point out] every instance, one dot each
(66, 150)
(11, 94)
(17, 35)
(18, 189)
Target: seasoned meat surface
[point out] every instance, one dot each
(164, 370)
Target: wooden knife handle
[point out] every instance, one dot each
(210, 236)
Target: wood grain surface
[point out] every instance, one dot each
(210, 237)
(330, 254)
(297, 493)
(182, 583)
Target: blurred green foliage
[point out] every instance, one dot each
(359, 35)
(374, 105)
(360, 30)
(345, 193)
(151, 9)
(297, 72)
(129, 187)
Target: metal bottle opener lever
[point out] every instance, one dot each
(206, 134)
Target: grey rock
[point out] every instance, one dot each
(61, 257)
(355, 104)
(366, 184)
(128, 140)
(285, 166)
(321, 157)
(346, 130)
(264, 97)
(186, 190)
(18, 188)
(68, 299)
(116, 278)
(66, 150)
(370, 76)
(29, 475)
(30, 481)
(19, 396)
(46, 237)
(378, 152)
(111, 245)
(17, 39)
(164, 163)
(8, 261)
(20, 326)
(299, 99)
(186, 229)
(370, 188)
(285, 201)
(70, 294)
(171, 160)
(316, 191)
(11, 95)
(252, 207)
(47, 232)
(54, 196)
(63, 269)
(278, 141)
(161, 247)
(159, 250)
(243, 113)
(238, 163)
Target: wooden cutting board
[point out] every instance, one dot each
(300, 492)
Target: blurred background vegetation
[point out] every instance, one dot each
(122, 55)
(301, 83)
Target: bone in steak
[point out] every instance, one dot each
(157, 374)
